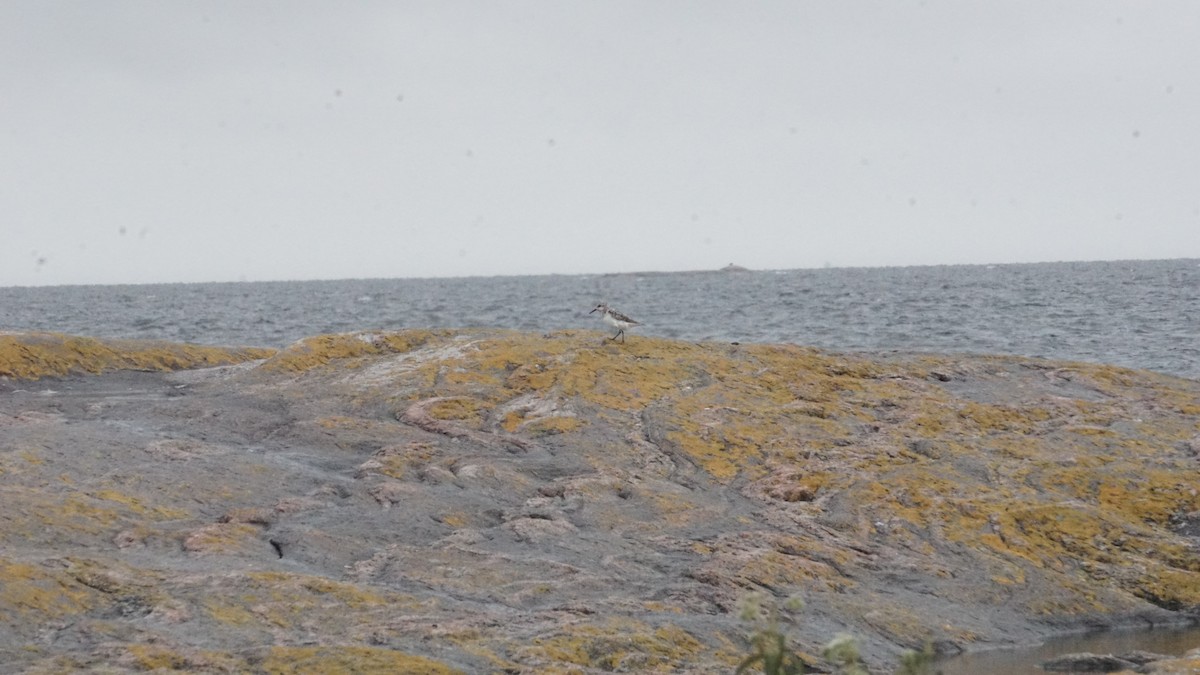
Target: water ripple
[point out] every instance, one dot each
(1143, 314)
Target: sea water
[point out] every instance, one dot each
(1170, 641)
(1139, 314)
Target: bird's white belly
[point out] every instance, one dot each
(615, 322)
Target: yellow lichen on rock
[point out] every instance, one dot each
(322, 350)
(288, 601)
(282, 660)
(30, 356)
(34, 592)
(303, 592)
(621, 645)
(222, 538)
(561, 503)
(157, 658)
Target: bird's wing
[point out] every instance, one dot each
(621, 317)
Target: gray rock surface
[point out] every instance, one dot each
(489, 501)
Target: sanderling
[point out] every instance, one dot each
(615, 319)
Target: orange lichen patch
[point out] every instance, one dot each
(512, 420)
(154, 657)
(675, 507)
(397, 461)
(1074, 537)
(29, 590)
(222, 538)
(30, 356)
(302, 592)
(230, 612)
(35, 512)
(729, 427)
(460, 409)
(289, 600)
(533, 376)
(1166, 586)
(621, 381)
(711, 454)
(137, 506)
(762, 410)
(896, 621)
(458, 519)
(912, 494)
(1008, 574)
(1052, 502)
(541, 426)
(348, 659)
(1141, 493)
(726, 408)
(1054, 489)
(253, 515)
(113, 578)
(728, 441)
(548, 426)
(393, 466)
(787, 564)
(692, 377)
(815, 549)
(998, 418)
(793, 485)
(485, 649)
(616, 645)
(322, 350)
(1151, 495)
(1109, 378)
(1066, 531)
(783, 571)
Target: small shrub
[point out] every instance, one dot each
(917, 663)
(842, 651)
(768, 644)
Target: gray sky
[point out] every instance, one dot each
(211, 141)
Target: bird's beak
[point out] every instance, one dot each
(593, 310)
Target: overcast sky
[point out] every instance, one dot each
(164, 141)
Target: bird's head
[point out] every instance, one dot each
(602, 307)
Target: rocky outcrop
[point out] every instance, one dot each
(1086, 662)
(29, 356)
(1188, 663)
(1138, 661)
(482, 501)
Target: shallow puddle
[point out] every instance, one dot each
(1024, 661)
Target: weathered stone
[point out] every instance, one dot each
(485, 501)
(1141, 658)
(1086, 662)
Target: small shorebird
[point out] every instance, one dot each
(615, 319)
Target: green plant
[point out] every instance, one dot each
(768, 644)
(917, 663)
(842, 651)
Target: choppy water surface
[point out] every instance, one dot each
(1139, 314)
(1142, 314)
